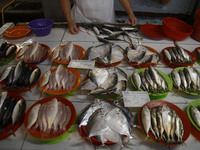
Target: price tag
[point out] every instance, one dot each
(135, 98)
(81, 64)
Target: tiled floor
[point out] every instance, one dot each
(59, 36)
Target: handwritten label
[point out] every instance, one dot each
(135, 98)
(81, 64)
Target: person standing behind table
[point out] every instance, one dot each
(88, 11)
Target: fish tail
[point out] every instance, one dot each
(12, 132)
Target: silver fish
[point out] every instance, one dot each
(167, 121)
(195, 114)
(3, 96)
(167, 55)
(33, 115)
(118, 122)
(176, 78)
(160, 122)
(5, 73)
(45, 78)
(137, 80)
(98, 76)
(84, 116)
(154, 122)
(179, 131)
(146, 119)
(172, 133)
(184, 84)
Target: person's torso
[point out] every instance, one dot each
(93, 11)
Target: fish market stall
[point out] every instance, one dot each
(92, 97)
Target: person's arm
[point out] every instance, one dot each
(132, 20)
(66, 7)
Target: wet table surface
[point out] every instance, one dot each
(60, 36)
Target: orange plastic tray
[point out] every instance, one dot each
(66, 63)
(152, 31)
(135, 64)
(35, 132)
(62, 92)
(180, 113)
(17, 32)
(41, 60)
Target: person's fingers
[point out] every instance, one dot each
(74, 29)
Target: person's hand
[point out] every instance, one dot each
(73, 28)
(132, 20)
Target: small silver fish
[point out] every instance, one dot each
(195, 114)
(146, 119)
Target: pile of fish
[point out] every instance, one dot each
(61, 79)
(106, 53)
(140, 54)
(107, 121)
(150, 80)
(11, 110)
(50, 117)
(66, 53)
(188, 79)
(101, 81)
(6, 49)
(164, 124)
(177, 55)
(20, 76)
(195, 114)
(33, 52)
(108, 32)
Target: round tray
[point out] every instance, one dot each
(62, 92)
(47, 49)
(21, 91)
(157, 96)
(66, 63)
(180, 89)
(6, 60)
(135, 65)
(7, 130)
(195, 104)
(180, 113)
(175, 65)
(152, 31)
(17, 32)
(51, 138)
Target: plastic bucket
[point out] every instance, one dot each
(196, 26)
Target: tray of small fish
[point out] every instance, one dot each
(176, 56)
(105, 82)
(64, 53)
(60, 81)
(12, 112)
(7, 53)
(164, 123)
(33, 52)
(49, 120)
(20, 78)
(157, 83)
(105, 55)
(186, 79)
(141, 56)
(105, 122)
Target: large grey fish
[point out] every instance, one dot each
(18, 70)
(195, 114)
(3, 96)
(121, 86)
(98, 75)
(146, 119)
(88, 85)
(110, 82)
(167, 120)
(34, 76)
(118, 122)
(84, 116)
